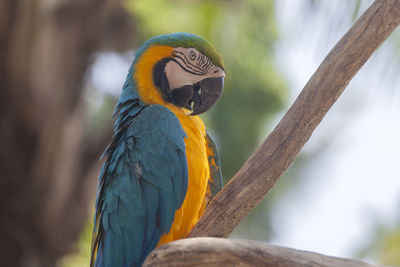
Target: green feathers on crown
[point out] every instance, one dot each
(186, 40)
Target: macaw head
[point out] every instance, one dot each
(181, 69)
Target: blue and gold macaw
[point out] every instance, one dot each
(162, 167)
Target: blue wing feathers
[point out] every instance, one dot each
(142, 184)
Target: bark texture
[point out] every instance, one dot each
(48, 163)
(208, 251)
(261, 171)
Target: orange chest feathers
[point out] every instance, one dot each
(199, 174)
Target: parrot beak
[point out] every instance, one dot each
(199, 97)
(205, 94)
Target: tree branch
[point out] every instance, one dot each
(208, 251)
(261, 171)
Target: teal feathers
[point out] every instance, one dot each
(143, 181)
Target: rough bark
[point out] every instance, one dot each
(261, 171)
(48, 163)
(208, 251)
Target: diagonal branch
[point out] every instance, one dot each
(261, 171)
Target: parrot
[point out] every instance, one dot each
(161, 167)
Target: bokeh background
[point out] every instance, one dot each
(62, 66)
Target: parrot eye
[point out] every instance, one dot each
(192, 55)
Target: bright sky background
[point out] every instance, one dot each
(354, 184)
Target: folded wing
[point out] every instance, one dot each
(142, 183)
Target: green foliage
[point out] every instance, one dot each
(390, 253)
(81, 257)
(386, 246)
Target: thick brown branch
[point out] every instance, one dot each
(207, 251)
(273, 157)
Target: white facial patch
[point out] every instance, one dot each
(188, 66)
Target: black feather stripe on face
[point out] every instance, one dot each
(187, 69)
(160, 79)
(185, 64)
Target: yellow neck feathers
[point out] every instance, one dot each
(143, 74)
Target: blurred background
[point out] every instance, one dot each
(62, 66)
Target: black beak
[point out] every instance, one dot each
(199, 97)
